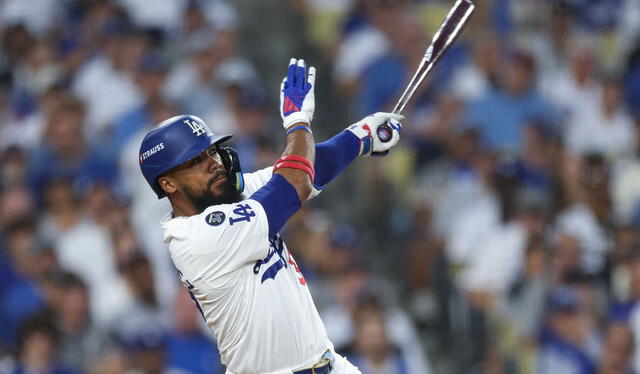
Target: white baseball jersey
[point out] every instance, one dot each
(247, 286)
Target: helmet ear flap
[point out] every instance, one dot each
(231, 163)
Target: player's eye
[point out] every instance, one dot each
(196, 160)
(212, 152)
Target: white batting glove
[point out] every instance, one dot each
(297, 99)
(367, 131)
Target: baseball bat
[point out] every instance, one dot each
(447, 33)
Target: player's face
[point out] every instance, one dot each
(203, 181)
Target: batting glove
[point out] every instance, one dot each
(297, 100)
(367, 128)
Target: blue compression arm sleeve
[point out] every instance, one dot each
(333, 155)
(279, 200)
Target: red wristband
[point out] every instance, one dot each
(296, 158)
(294, 165)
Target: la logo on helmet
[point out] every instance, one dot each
(195, 127)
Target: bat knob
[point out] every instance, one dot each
(384, 132)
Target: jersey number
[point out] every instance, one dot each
(243, 212)
(295, 266)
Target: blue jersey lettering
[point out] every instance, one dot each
(276, 246)
(190, 287)
(243, 212)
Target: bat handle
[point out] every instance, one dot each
(384, 132)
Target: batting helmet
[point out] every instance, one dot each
(178, 140)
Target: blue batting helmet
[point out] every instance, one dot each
(173, 142)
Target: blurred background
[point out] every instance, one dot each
(501, 236)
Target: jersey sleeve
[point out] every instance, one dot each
(333, 156)
(235, 234)
(279, 200)
(254, 181)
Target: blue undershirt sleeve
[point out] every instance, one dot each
(279, 200)
(333, 155)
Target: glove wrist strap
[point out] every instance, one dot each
(296, 117)
(299, 127)
(364, 134)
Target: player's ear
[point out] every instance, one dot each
(167, 184)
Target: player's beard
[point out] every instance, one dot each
(207, 198)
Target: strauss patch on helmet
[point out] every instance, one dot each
(150, 152)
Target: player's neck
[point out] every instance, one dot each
(183, 208)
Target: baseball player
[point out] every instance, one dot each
(223, 229)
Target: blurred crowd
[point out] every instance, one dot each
(501, 236)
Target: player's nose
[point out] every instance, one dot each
(215, 163)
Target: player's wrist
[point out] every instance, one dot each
(364, 136)
(296, 118)
(298, 126)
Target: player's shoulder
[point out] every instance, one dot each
(219, 228)
(214, 221)
(226, 215)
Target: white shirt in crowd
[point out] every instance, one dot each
(358, 50)
(107, 93)
(589, 130)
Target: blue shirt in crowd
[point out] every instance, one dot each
(501, 118)
(194, 353)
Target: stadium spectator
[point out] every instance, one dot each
(16, 203)
(365, 41)
(505, 248)
(105, 83)
(37, 348)
(474, 79)
(563, 338)
(551, 45)
(196, 84)
(81, 342)
(617, 349)
(142, 312)
(67, 227)
(354, 289)
(382, 79)
(603, 128)
(586, 208)
(574, 86)
(64, 153)
(21, 295)
(190, 349)
(147, 352)
(501, 114)
(373, 353)
(527, 296)
(17, 12)
(150, 76)
(112, 362)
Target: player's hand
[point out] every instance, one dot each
(367, 128)
(297, 99)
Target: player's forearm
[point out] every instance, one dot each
(333, 156)
(299, 143)
(290, 186)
